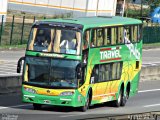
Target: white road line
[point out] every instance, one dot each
(152, 105)
(73, 115)
(16, 106)
(9, 73)
(11, 69)
(3, 107)
(6, 65)
(152, 90)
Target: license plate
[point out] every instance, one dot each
(47, 101)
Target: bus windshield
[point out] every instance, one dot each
(51, 72)
(57, 40)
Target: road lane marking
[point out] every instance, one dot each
(73, 115)
(152, 90)
(153, 105)
(3, 107)
(143, 91)
(16, 106)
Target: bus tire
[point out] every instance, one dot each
(127, 91)
(123, 100)
(117, 103)
(125, 96)
(37, 106)
(87, 103)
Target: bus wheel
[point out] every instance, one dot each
(86, 106)
(127, 94)
(123, 100)
(37, 106)
(117, 102)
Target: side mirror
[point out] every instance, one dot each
(19, 64)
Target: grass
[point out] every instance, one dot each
(17, 27)
(17, 32)
(151, 45)
(20, 14)
(13, 47)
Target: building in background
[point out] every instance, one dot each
(3, 9)
(76, 8)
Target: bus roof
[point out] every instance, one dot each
(100, 21)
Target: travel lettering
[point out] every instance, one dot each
(110, 54)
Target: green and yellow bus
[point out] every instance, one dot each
(82, 61)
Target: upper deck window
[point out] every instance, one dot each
(55, 40)
(115, 35)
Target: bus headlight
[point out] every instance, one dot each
(68, 93)
(30, 90)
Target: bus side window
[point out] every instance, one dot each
(86, 39)
(113, 36)
(127, 35)
(95, 74)
(120, 35)
(107, 72)
(100, 37)
(139, 36)
(116, 70)
(104, 74)
(134, 33)
(109, 36)
(94, 37)
(105, 36)
(81, 81)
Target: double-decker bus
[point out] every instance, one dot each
(82, 61)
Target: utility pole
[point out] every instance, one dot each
(86, 7)
(141, 8)
(97, 7)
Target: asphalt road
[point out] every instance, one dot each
(8, 60)
(147, 100)
(151, 57)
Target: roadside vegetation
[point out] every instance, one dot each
(14, 32)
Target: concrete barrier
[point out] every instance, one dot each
(150, 73)
(12, 84)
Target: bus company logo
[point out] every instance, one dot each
(108, 54)
(51, 55)
(133, 50)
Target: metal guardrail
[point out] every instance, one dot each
(139, 116)
(136, 116)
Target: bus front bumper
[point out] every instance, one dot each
(73, 101)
